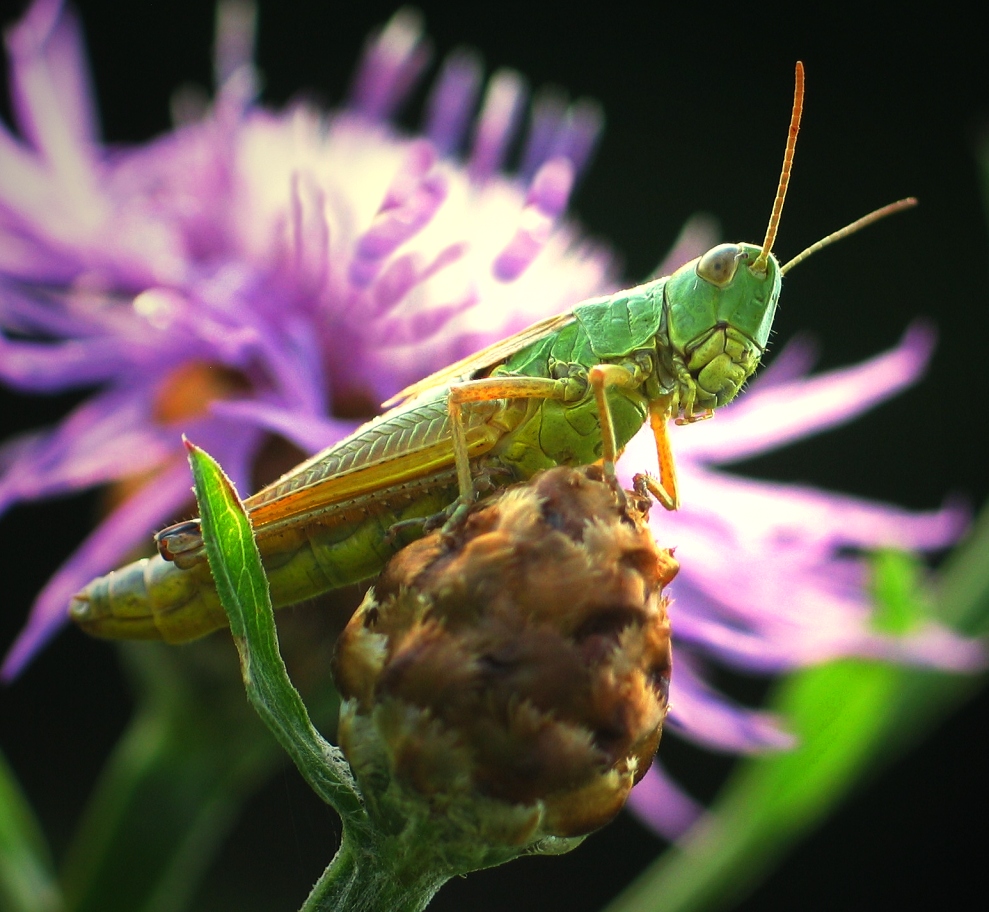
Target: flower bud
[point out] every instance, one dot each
(512, 675)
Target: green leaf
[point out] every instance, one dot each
(963, 583)
(243, 589)
(27, 881)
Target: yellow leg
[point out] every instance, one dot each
(665, 491)
(601, 376)
(483, 391)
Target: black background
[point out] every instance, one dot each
(697, 102)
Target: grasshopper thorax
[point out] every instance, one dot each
(719, 311)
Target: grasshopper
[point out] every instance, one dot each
(572, 389)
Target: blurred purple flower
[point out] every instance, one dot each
(256, 273)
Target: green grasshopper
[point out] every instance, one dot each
(572, 389)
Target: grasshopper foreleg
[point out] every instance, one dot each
(665, 489)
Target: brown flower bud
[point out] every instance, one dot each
(513, 675)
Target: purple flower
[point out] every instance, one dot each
(256, 272)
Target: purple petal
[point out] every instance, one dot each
(451, 102)
(49, 368)
(772, 513)
(930, 646)
(106, 438)
(310, 232)
(662, 805)
(392, 61)
(50, 89)
(579, 134)
(800, 597)
(406, 272)
(24, 258)
(785, 412)
(22, 180)
(546, 200)
(779, 609)
(310, 433)
(165, 328)
(109, 544)
(293, 361)
(207, 338)
(419, 326)
(549, 108)
(776, 649)
(729, 645)
(55, 113)
(413, 198)
(49, 314)
(707, 718)
(500, 114)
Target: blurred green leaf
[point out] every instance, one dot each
(850, 717)
(900, 605)
(170, 791)
(27, 881)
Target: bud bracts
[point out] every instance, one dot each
(514, 673)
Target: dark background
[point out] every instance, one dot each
(697, 105)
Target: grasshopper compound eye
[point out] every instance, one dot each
(718, 265)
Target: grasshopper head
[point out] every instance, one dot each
(719, 313)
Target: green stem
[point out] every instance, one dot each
(357, 882)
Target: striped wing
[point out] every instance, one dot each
(400, 446)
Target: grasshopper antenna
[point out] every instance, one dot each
(857, 225)
(759, 265)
